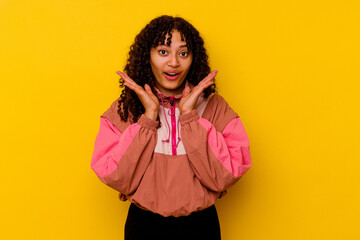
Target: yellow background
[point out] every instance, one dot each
(290, 69)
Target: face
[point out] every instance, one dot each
(170, 65)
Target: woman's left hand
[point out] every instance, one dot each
(190, 97)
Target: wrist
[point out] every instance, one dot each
(152, 115)
(185, 111)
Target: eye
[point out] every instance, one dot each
(184, 54)
(162, 52)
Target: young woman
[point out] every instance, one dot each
(170, 144)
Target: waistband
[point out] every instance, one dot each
(208, 212)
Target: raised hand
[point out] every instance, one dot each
(189, 99)
(147, 98)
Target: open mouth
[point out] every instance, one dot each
(172, 74)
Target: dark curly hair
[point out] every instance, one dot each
(151, 36)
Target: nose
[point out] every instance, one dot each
(173, 61)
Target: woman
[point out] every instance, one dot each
(170, 144)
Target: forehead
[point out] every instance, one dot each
(174, 37)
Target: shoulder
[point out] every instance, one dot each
(113, 116)
(218, 112)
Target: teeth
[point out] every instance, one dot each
(172, 74)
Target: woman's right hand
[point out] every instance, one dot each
(147, 98)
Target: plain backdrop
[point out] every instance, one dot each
(290, 69)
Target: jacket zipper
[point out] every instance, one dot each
(173, 126)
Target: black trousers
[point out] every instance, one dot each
(143, 225)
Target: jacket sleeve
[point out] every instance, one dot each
(120, 159)
(218, 159)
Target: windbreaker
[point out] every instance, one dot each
(177, 168)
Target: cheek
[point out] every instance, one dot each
(154, 67)
(156, 64)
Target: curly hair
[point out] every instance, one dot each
(151, 36)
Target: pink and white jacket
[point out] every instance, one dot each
(178, 168)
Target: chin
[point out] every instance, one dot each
(172, 84)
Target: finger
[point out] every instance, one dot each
(126, 77)
(210, 76)
(130, 83)
(207, 79)
(148, 89)
(205, 84)
(200, 89)
(208, 84)
(186, 91)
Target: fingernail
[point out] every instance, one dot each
(118, 72)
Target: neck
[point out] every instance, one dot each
(166, 92)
